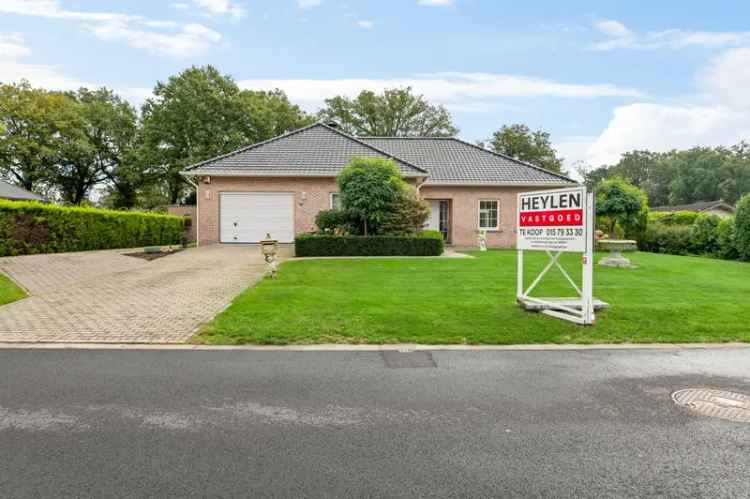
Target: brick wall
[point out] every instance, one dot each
(313, 194)
(310, 196)
(187, 211)
(465, 212)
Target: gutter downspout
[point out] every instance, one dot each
(197, 210)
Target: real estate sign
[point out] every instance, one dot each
(553, 220)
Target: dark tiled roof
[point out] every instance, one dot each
(453, 161)
(316, 150)
(699, 206)
(10, 191)
(320, 151)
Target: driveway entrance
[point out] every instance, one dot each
(105, 296)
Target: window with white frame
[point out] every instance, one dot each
(335, 201)
(489, 214)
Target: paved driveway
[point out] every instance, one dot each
(104, 296)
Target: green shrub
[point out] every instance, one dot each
(31, 227)
(408, 213)
(726, 239)
(704, 238)
(426, 244)
(673, 217)
(660, 238)
(742, 227)
(335, 222)
(434, 234)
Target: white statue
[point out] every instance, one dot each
(482, 240)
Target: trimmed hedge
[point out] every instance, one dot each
(708, 236)
(32, 227)
(426, 244)
(673, 217)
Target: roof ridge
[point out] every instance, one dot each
(319, 123)
(362, 142)
(427, 137)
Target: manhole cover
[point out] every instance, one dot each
(716, 403)
(405, 360)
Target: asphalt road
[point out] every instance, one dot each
(102, 423)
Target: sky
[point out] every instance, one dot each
(603, 77)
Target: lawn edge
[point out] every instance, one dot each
(336, 347)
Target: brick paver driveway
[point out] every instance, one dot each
(104, 296)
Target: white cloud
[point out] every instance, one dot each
(13, 50)
(716, 115)
(365, 24)
(221, 8)
(663, 127)
(435, 3)
(13, 47)
(457, 91)
(158, 37)
(307, 4)
(613, 28)
(620, 37)
(13, 69)
(180, 5)
(188, 40)
(728, 78)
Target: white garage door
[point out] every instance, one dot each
(246, 217)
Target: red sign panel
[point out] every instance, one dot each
(550, 218)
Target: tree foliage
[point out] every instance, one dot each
(619, 202)
(408, 214)
(36, 125)
(518, 141)
(200, 113)
(683, 177)
(397, 112)
(742, 228)
(369, 188)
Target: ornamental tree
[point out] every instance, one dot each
(620, 202)
(369, 188)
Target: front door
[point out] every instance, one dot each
(440, 217)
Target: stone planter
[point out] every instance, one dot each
(616, 248)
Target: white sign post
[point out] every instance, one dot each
(558, 221)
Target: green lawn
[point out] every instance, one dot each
(9, 291)
(666, 299)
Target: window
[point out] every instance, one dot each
(489, 215)
(335, 201)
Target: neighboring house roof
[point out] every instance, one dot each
(313, 151)
(452, 161)
(700, 206)
(320, 150)
(10, 191)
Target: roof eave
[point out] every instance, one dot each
(458, 183)
(207, 173)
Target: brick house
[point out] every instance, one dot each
(278, 186)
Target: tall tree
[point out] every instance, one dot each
(520, 142)
(112, 129)
(100, 147)
(397, 112)
(34, 124)
(201, 113)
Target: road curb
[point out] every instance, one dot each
(366, 348)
